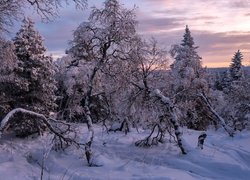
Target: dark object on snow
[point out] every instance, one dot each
(88, 152)
(124, 127)
(201, 140)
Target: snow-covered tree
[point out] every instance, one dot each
(145, 102)
(237, 95)
(234, 75)
(189, 79)
(236, 72)
(28, 42)
(34, 70)
(149, 72)
(104, 38)
(187, 61)
(72, 84)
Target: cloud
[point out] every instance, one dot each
(216, 49)
(242, 4)
(59, 32)
(218, 27)
(154, 25)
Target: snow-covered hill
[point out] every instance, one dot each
(222, 158)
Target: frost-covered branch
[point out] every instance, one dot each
(40, 117)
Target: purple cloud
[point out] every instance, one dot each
(219, 27)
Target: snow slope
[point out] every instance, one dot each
(222, 158)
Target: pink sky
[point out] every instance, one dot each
(219, 27)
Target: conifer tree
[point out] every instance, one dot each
(186, 57)
(237, 95)
(188, 40)
(236, 72)
(233, 75)
(35, 71)
(188, 81)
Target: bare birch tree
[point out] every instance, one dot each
(152, 63)
(105, 37)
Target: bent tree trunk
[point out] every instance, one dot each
(169, 105)
(56, 131)
(219, 118)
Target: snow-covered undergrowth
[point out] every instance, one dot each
(223, 157)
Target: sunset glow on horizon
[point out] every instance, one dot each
(219, 28)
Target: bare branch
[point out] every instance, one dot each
(49, 8)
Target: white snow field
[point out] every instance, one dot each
(223, 158)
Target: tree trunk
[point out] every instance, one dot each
(169, 105)
(219, 118)
(87, 112)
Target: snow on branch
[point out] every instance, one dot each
(58, 133)
(163, 98)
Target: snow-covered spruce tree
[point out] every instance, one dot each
(236, 72)
(190, 88)
(188, 80)
(104, 38)
(36, 75)
(236, 108)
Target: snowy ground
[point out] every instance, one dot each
(222, 158)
